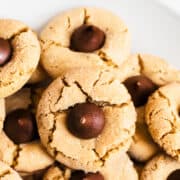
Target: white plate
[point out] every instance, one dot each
(154, 28)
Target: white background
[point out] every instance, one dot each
(155, 28)
(173, 5)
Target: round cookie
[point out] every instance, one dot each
(101, 89)
(20, 149)
(19, 55)
(162, 118)
(143, 74)
(85, 26)
(142, 147)
(118, 166)
(38, 75)
(161, 167)
(7, 173)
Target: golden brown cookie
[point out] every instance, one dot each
(105, 99)
(162, 118)
(20, 146)
(81, 37)
(143, 147)
(20, 52)
(142, 74)
(155, 68)
(161, 167)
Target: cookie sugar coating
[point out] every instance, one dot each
(162, 118)
(7, 173)
(24, 157)
(57, 55)
(160, 167)
(118, 166)
(101, 88)
(24, 57)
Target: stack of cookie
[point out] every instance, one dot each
(81, 106)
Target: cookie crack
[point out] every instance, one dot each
(104, 83)
(50, 137)
(153, 113)
(113, 149)
(16, 156)
(98, 103)
(69, 22)
(97, 80)
(60, 95)
(173, 128)
(164, 97)
(84, 92)
(106, 60)
(22, 30)
(49, 43)
(65, 84)
(166, 134)
(142, 68)
(3, 174)
(86, 16)
(88, 97)
(169, 104)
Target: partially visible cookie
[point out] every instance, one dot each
(20, 53)
(162, 118)
(38, 75)
(7, 173)
(118, 166)
(161, 167)
(143, 147)
(19, 100)
(142, 74)
(56, 172)
(20, 146)
(105, 101)
(84, 37)
(155, 68)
